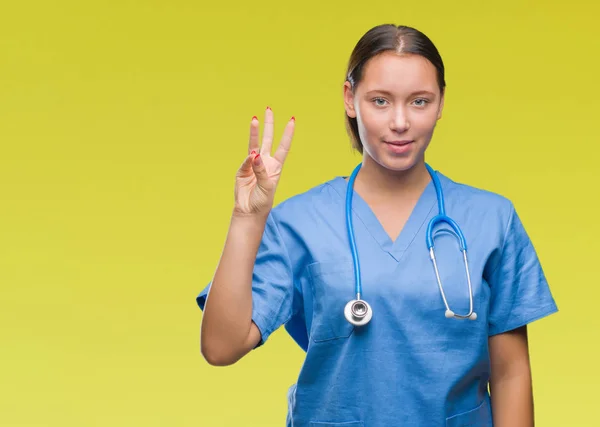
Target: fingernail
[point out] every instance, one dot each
(268, 108)
(254, 118)
(253, 152)
(293, 118)
(257, 160)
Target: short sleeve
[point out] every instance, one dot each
(272, 283)
(520, 293)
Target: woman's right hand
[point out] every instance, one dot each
(257, 178)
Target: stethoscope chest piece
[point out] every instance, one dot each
(358, 312)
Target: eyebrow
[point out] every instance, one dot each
(385, 92)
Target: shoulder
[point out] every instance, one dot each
(308, 219)
(475, 199)
(323, 198)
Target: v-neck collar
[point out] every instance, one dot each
(420, 213)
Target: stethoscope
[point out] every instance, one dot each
(358, 311)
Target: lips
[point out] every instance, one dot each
(399, 143)
(399, 147)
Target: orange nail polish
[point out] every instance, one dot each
(268, 108)
(293, 118)
(254, 117)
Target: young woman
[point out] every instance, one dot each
(409, 292)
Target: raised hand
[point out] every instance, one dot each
(257, 178)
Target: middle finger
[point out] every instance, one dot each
(267, 140)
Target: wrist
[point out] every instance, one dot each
(250, 219)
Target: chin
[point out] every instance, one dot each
(396, 163)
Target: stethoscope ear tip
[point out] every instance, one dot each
(473, 316)
(449, 314)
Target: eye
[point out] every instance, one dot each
(421, 102)
(380, 102)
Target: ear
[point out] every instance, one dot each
(441, 105)
(349, 100)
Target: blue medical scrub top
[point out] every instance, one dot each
(410, 366)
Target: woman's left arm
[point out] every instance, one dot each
(510, 381)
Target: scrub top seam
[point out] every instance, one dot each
(434, 204)
(416, 233)
(505, 238)
(395, 253)
(291, 268)
(538, 314)
(266, 324)
(355, 211)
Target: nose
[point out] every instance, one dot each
(400, 121)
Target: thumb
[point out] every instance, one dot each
(260, 171)
(246, 167)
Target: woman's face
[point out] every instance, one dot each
(397, 105)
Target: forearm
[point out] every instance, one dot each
(227, 314)
(512, 398)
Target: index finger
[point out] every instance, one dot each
(286, 141)
(253, 142)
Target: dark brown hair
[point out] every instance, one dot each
(384, 38)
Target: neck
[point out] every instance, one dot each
(382, 183)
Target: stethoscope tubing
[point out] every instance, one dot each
(441, 217)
